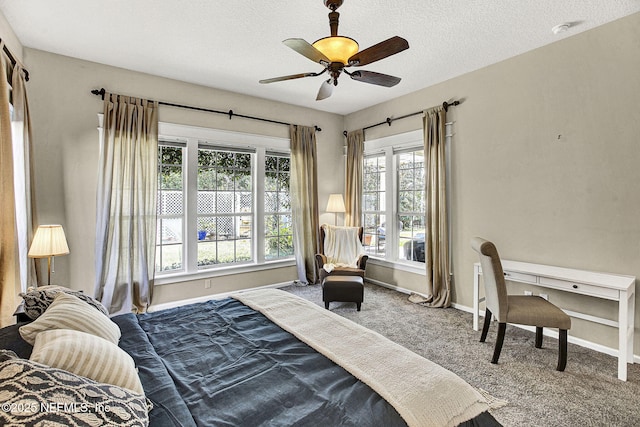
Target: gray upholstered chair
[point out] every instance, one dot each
(519, 309)
(321, 260)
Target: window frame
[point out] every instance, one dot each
(372, 238)
(278, 212)
(160, 216)
(193, 137)
(390, 146)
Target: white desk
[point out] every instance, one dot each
(598, 285)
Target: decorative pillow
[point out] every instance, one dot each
(68, 312)
(38, 299)
(87, 355)
(34, 394)
(7, 355)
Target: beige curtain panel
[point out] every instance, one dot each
(126, 204)
(437, 230)
(26, 222)
(304, 200)
(353, 185)
(9, 268)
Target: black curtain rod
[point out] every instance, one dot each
(389, 120)
(14, 61)
(229, 113)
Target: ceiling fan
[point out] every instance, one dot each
(336, 53)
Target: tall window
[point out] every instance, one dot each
(394, 199)
(223, 200)
(170, 209)
(411, 205)
(374, 204)
(225, 207)
(277, 208)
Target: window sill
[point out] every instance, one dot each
(410, 267)
(171, 278)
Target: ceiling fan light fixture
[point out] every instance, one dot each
(337, 48)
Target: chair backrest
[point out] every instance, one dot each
(495, 288)
(323, 235)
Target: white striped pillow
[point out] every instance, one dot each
(88, 356)
(70, 312)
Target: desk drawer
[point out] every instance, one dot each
(520, 277)
(581, 288)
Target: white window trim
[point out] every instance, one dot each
(389, 145)
(192, 136)
(394, 143)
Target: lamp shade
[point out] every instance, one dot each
(337, 48)
(336, 203)
(49, 240)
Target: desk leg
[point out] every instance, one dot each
(624, 338)
(631, 325)
(476, 297)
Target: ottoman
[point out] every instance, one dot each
(343, 289)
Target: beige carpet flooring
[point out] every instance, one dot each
(587, 393)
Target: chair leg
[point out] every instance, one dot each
(499, 339)
(326, 305)
(487, 323)
(538, 336)
(358, 305)
(562, 350)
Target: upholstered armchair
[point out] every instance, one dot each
(518, 309)
(321, 258)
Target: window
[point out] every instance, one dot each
(277, 208)
(225, 207)
(394, 199)
(170, 209)
(374, 204)
(223, 200)
(411, 205)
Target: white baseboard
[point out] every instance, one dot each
(173, 304)
(393, 287)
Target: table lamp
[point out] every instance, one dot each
(48, 242)
(335, 205)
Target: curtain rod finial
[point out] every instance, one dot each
(446, 104)
(100, 92)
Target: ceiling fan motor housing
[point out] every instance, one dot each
(333, 4)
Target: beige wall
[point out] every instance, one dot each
(546, 161)
(64, 119)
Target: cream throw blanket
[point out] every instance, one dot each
(342, 247)
(423, 392)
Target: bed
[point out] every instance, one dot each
(267, 358)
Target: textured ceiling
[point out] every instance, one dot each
(232, 44)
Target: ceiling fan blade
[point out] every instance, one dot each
(326, 89)
(379, 51)
(290, 77)
(306, 49)
(375, 78)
